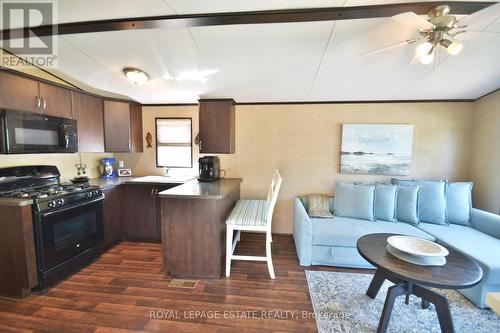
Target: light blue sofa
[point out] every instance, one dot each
(332, 242)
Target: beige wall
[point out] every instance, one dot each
(303, 142)
(485, 153)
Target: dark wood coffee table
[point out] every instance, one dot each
(459, 272)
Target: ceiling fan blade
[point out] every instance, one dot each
(389, 47)
(477, 35)
(415, 60)
(488, 13)
(413, 20)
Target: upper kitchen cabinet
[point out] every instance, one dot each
(216, 126)
(136, 127)
(18, 93)
(122, 126)
(88, 112)
(54, 101)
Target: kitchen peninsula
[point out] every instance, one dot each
(193, 219)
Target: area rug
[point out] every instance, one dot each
(340, 305)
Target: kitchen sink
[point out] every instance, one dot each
(163, 179)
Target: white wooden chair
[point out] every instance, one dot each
(254, 216)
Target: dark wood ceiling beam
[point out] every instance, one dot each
(254, 17)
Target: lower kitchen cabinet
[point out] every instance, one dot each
(112, 215)
(18, 270)
(141, 212)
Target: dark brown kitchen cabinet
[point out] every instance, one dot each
(141, 212)
(122, 126)
(88, 112)
(54, 101)
(18, 269)
(18, 93)
(136, 127)
(24, 94)
(112, 216)
(216, 121)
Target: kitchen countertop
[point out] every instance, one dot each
(194, 189)
(15, 202)
(103, 183)
(107, 183)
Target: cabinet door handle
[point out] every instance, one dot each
(201, 149)
(44, 103)
(37, 102)
(152, 191)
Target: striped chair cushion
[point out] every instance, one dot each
(249, 213)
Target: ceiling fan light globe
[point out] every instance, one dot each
(426, 58)
(423, 49)
(454, 48)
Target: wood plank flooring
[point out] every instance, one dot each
(126, 291)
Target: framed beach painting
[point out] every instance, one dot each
(376, 149)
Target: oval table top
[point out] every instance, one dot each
(459, 272)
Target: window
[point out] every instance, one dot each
(173, 143)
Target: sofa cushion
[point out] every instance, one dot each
(384, 203)
(318, 205)
(354, 200)
(431, 199)
(481, 247)
(459, 203)
(407, 203)
(343, 231)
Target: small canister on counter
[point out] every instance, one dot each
(108, 167)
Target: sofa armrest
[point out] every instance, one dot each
(302, 232)
(486, 222)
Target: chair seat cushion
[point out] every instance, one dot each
(481, 247)
(251, 213)
(343, 231)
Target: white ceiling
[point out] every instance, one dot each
(313, 61)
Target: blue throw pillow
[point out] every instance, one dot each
(354, 200)
(431, 200)
(407, 203)
(385, 202)
(459, 203)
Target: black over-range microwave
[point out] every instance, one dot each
(28, 133)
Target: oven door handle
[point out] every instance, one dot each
(72, 207)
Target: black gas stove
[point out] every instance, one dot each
(67, 218)
(55, 196)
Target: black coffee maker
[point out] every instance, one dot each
(209, 168)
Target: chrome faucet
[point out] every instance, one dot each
(166, 172)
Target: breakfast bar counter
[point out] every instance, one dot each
(193, 219)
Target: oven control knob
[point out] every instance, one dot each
(52, 204)
(96, 192)
(89, 195)
(60, 202)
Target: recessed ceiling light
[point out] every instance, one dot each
(135, 75)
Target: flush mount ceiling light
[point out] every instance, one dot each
(135, 75)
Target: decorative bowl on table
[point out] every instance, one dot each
(417, 251)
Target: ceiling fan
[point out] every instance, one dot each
(440, 30)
